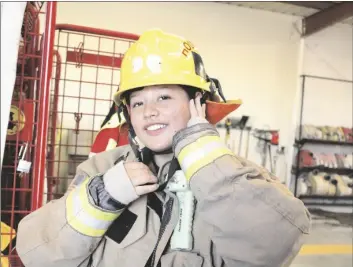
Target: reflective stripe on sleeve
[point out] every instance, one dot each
(83, 216)
(200, 153)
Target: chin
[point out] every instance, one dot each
(159, 148)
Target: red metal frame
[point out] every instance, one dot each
(89, 58)
(26, 59)
(51, 147)
(96, 31)
(77, 56)
(19, 191)
(44, 98)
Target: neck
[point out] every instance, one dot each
(161, 159)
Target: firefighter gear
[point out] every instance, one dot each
(244, 216)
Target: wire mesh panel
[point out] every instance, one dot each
(18, 179)
(85, 77)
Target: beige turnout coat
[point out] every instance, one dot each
(244, 217)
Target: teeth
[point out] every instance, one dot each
(156, 127)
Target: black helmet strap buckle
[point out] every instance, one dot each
(215, 86)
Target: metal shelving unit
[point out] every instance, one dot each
(321, 200)
(340, 171)
(321, 142)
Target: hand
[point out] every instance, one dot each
(141, 177)
(197, 111)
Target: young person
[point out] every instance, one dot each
(122, 209)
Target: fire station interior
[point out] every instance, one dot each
(289, 62)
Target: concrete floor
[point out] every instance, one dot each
(330, 241)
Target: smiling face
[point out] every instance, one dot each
(157, 113)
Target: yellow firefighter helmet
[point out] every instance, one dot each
(159, 58)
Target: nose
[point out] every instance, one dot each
(150, 110)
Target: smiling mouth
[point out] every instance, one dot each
(155, 127)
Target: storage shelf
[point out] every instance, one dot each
(327, 200)
(299, 143)
(340, 171)
(322, 142)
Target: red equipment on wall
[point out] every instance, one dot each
(26, 134)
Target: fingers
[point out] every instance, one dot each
(198, 104)
(143, 178)
(196, 109)
(139, 173)
(203, 110)
(193, 111)
(145, 189)
(134, 165)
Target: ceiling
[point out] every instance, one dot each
(296, 8)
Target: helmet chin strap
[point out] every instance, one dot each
(145, 155)
(165, 151)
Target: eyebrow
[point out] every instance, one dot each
(136, 93)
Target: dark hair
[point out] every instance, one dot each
(126, 95)
(190, 90)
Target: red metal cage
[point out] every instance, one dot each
(26, 136)
(85, 77)
(66, 78)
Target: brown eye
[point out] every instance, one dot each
(164, 97)
(137, 104)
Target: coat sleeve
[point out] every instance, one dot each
(256, 220)
(66, 231)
